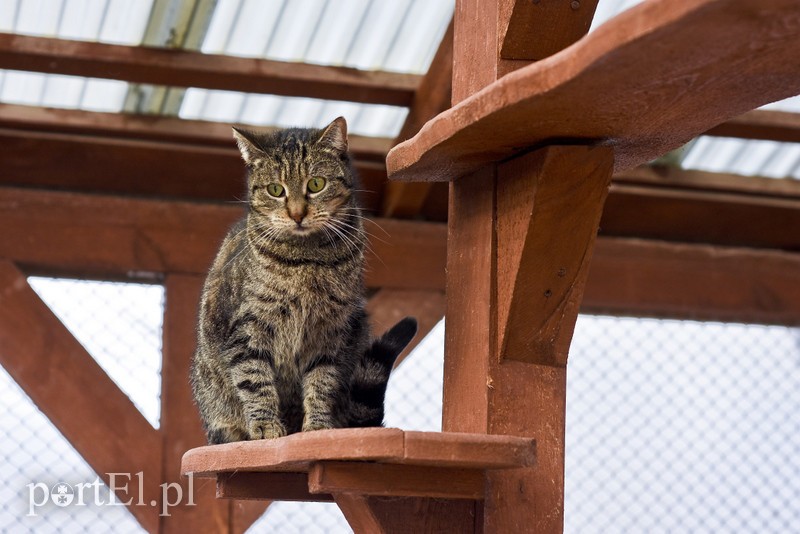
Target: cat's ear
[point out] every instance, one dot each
(247, 145)
(335, 135)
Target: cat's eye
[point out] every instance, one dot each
(275, 190)
(316, 184)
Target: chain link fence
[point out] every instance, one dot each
(672, 426)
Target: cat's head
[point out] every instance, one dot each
(300, 180)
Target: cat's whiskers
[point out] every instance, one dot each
(347, 239)
(356, 212)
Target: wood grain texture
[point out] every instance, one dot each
(698, 73)
(697, 282)
(549, 204)
(76, 394)
(483, 392)
(296, 452)
(388, 306)
(539, 29)
(182, 68)
(268, 486)
(395, 480)
(122, 237)
(162, 157)
(408, 515)
(138, 127)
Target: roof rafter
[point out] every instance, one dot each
(181, 68)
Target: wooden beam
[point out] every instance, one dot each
(150, 156)
(296, 453)
(537, 30)
(698, 216)
(128, 237)
(136, 127)
(390, 515)
(433, 95)
(646, 278)
(181, 68)
(256, 486)
(395, 480)
(665, 178)
(586, 93)
(135, 238)
(782, 126)
(388, 306)
(76, 394)
(541, 275)
(180, 422)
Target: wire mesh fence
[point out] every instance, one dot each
(47, 486)
(672, 426)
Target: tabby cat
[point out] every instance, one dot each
(283, 340)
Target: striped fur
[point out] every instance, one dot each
(283, 339)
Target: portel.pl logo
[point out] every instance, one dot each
(62, 494)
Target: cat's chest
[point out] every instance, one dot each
(308, 313)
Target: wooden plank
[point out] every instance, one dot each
(697, 74)
(268, 486)
(539, 29)
(483, 392)
(769, 125)
(395, 480)
(128, 237)
(150, 158)
(180, 423)
(296, 452)
(388, 306)
(391, 515)
(136, 127)
(136, 237)
(469, 334)
(696, 216)
(293, 453)
(676, 178)
(693, 282)
(541, 274)
(74, 392)
(460, 450)
(360, 516)
(404, 200)
(182, 68)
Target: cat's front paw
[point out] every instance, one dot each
(266, 430)
(308, 426)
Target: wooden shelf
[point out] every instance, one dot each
(646, 82)
(314, 466)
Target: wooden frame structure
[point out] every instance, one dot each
(540, 148)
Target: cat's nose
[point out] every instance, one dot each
(297, 215)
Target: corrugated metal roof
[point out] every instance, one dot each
(401, 36)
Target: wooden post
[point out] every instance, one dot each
(520, 239)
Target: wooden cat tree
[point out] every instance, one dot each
(529, 148)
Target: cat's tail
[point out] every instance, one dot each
(371, 375)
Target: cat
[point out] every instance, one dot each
(283, 342)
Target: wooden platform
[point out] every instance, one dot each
(699, 71)
(315, 466)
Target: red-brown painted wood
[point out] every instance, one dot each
(296, 452)
(698, 72)
(77, 395)
(183, 68)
